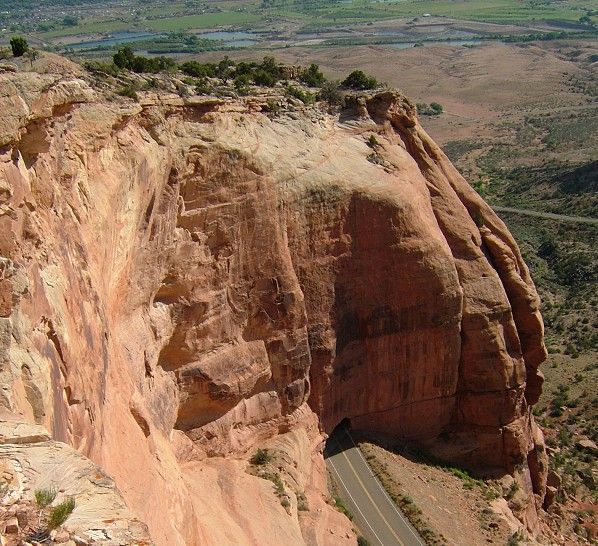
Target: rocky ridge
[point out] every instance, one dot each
(30, 461)
(185, 280)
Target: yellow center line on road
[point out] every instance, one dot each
(372, 500)
(384, 492)
(354, 502)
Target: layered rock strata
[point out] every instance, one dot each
(186, 280)
(31, 461)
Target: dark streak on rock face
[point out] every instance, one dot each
(215, 281)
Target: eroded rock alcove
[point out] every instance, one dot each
(185, 280)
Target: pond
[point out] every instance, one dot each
(231, 38)
(115, 38)
(228, 39)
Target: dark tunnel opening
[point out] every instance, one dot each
(339, 439)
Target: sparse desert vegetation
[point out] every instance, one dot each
(445, 504)
(36, 520)
(260, 457)
(130, 74)
(518, 145)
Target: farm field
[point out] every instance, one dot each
(208, 20)
(518, 83)
(49, 21)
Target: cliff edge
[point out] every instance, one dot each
(185, 280)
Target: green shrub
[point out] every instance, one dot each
(60, 513)
(45, 497)
(304, 96)
(242, 80)
(547, 248)
(225, 69)
(270, 66)
(359, 80)
(275, 479)
(19, 46)
(98, 67)
(129, 91)
(561, 397)
(153, 64)
(273, 107)
(512, 491)
(489, 493)
(70, 21)
(245, 68)
(432, 109)
(263, 78)
(203, 87)
(302, 505)
(341, 507)
(575, 268)
(565, 436)
(331, 93)
(312, 76)
(361, 541)
(125, 58)
(373, 142)
(260, 457)
(198, 70)
(515, 539)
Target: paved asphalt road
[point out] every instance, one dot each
(549, 215)
(377, 517)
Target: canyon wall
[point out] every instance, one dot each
(187, 280)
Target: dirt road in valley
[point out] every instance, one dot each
(549, 215)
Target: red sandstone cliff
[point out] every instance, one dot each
(185, 280)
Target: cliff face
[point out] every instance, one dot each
(184, 281)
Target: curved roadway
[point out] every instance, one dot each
(548, 215)
(376, 515)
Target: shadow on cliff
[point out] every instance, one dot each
(339, 439)
(343, 438)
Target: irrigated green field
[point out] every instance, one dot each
(206, 20)
(494, 11)
(89, 27)
(93, 17)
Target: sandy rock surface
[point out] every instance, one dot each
(185, 281)
(30, 461)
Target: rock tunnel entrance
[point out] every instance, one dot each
(358, 493)
(339, 439)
